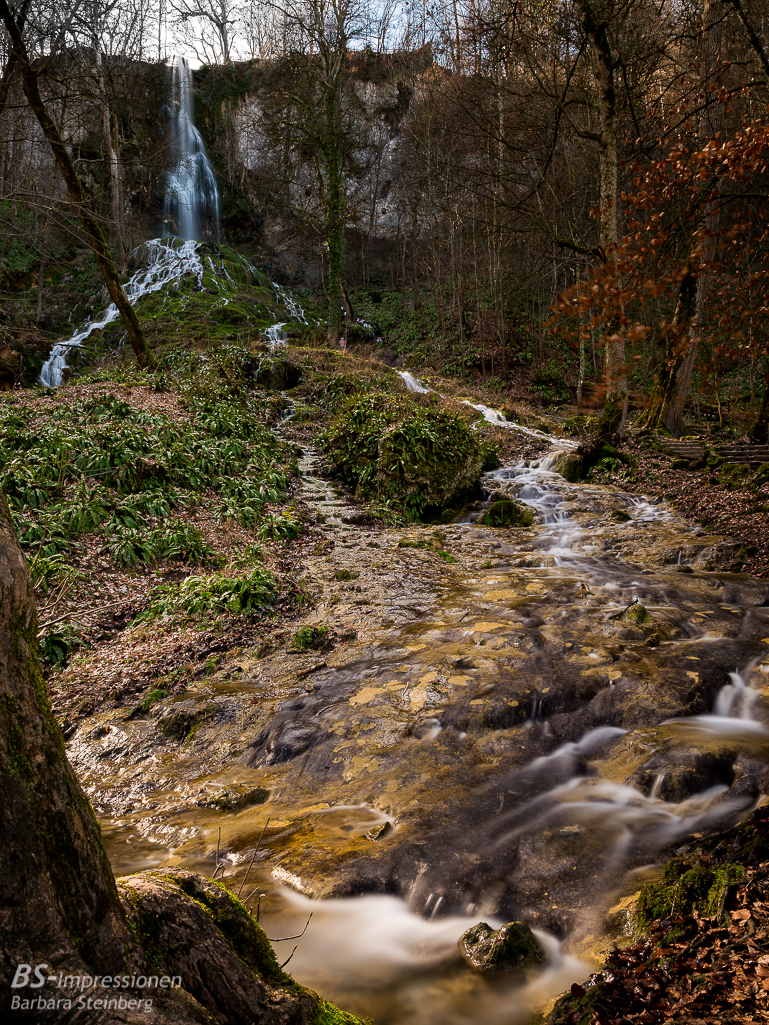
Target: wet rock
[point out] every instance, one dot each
(235, 798)
(182, 718)
(680, 773)
(507, 513)
(513, 948)
(570, 466)
(637, 613)
(380, 831)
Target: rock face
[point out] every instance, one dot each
(513, 948)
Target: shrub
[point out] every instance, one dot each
(399, 450)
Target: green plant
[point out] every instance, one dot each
(58, 643)
(205, 596)
(346, 574)
(310, 637)
(150, 699)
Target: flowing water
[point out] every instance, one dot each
(164, 261)
(192, 195)
(191, 210)
(519, 736)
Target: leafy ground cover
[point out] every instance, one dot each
(166, 500)
(705, 958)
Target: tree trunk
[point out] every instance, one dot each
(595, 24)
(679, 352)
(76, 192)
(709, 127)
(112, 163)
(759, 429)
(59, 897)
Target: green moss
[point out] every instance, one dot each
(685, 889)
(399, 449)
(149, 700)
(638, 614)
(507, 513)
(734, 475)
(327, 1014)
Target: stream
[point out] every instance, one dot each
(512, 732)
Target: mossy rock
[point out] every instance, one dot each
(183, 718)
(638, 614)
(507, 513)
(685, 889)
(399, 450)
(513, 948)
(760, 477)
(734, 475)
(681, 463)
(235, 798)
(191, 927)
(570, 465)
(620, 516)
(315, 638)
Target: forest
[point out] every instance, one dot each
(384, 511)
(561, 198)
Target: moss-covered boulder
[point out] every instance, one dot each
(513, 948)
(235, 798)
(735, 475)
(507, 513)
(401, 450)
(570, 465)
(638, 614)
(685, 889)
(196, 931)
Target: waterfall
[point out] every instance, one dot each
(164, 261)
(192, 196)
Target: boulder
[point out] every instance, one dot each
(235, 798)
(507, 513)
(513, 948)
(569, 465)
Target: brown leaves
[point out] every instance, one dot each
(692, 970)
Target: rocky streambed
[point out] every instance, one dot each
(473, 724)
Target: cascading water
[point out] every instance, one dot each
(192, 195)
(165, 262)
(191, 209)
